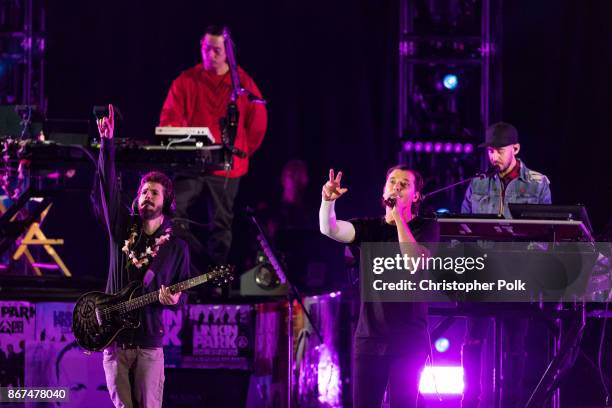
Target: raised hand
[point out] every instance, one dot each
(106, 125)
(332, 190)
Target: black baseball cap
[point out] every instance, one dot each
(499, 135)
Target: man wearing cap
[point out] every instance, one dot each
(514, 183)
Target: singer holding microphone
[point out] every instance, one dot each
(199, 97)
(391, 342)
(509, 182)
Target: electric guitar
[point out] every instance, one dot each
(99, 317)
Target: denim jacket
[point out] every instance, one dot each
(484, 196)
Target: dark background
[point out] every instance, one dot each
(329, 73)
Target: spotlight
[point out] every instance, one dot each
(450, 81)
(441, 380)
(265, 277)
(442, 344)
(442, 211)
(437, 147)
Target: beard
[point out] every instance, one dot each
(148, 212)
(504, 167)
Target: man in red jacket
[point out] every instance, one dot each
(199, 97)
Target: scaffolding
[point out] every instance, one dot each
(449, 87)
(22, 46)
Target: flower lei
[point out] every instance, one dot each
(149, 253)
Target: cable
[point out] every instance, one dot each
(431, 366)
(185, 139)
(599, 357)
(86, 151)
(26, 122)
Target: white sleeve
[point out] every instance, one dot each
(341, 231)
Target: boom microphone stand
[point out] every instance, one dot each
(493, 170)
(292, 295)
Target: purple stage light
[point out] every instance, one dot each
(442, 380)
(45, 265)
(408, 146)
(458, 148)
(428, 147)
(442, 344)
(448, 147)
(468, 148)
(437, 147)
(329, 381)
(418, 147)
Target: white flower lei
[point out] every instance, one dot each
(149, 253)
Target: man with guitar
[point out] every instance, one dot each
(143, 248)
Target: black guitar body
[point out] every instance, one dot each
(98, 317)
(95, 323)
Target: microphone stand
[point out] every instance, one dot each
(292, 295)
(493, 170)
(229, 123)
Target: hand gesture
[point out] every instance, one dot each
(106, 125)
(167, 298)
(331, 189)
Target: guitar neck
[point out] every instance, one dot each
(153, 297)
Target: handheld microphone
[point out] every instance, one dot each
(389, 202)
